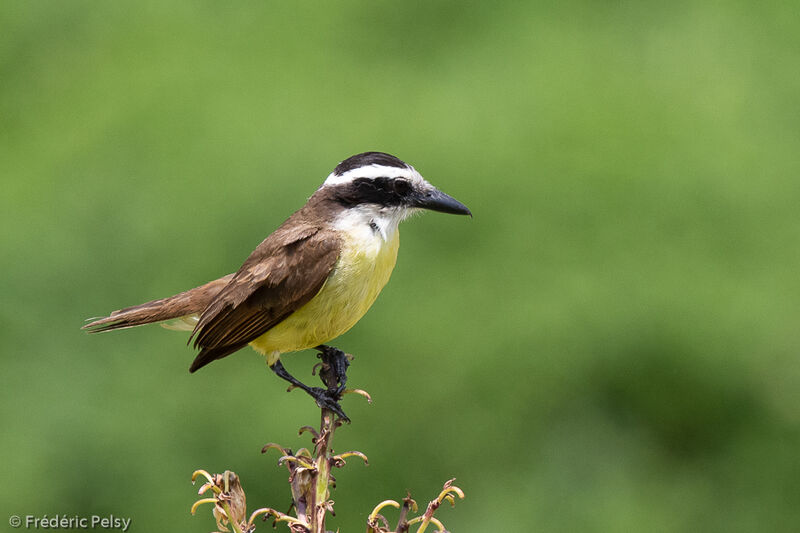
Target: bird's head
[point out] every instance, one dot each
(381, 188)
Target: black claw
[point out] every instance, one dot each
(334, 368)
(324, 398)
(327, 400)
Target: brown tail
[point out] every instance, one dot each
(191, 302)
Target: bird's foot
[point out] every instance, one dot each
(333, 371)
(327, 399)
(324, 398)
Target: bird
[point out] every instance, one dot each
(310, 280)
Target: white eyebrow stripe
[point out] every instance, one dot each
(373, 171)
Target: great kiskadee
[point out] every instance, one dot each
(311, 280)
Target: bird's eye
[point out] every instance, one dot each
(402, 187)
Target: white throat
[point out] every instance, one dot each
(366, 222)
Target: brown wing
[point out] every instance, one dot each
(280, 276)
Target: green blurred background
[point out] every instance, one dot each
(611, 344)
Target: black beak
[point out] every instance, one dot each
(436, 200)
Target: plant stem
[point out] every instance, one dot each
(231, 519)
(323, 471)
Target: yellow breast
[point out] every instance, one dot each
(363, 268)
